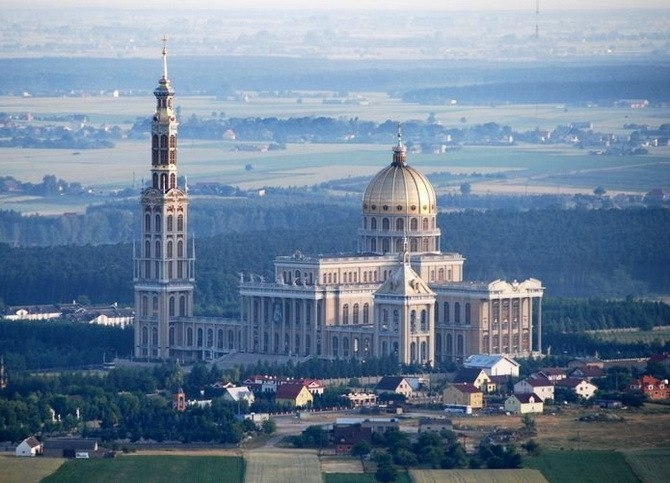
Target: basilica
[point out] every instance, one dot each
(398, 295)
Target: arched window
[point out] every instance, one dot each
(173, 177)
(210, 337)
(180, 222)
(164, 141)
(169, 249)
(412, 352)
(147, 222)
(446, 312)
(413, 245)
(413, 224)
(199, 337)
(180, 248)
(147, 249)
(219, 339)
(173, 141)
(460, 348)
(154, 306)
(424, 321)
(424, 352)
(158, 223)
(145, 336)
(171, 336)
(154, 336)
(385, 224)
(450, 345)
(145, 305)
(373, 245)
(335, 347)
(345, 314)
(158, 253)
(467, 313)
(400, 224)
(355, 314)
(189, 337)
(155, 175)
(366, 313)
(412, 321)
(396, 320)
(373, 224)
(424, 224)
(231, 339)
(457, 313)
(440, 275)
(385, 245)
(385, 319)
(171, 306)
(345, 347)
(170, 224)
(426, 246)
(182, 305)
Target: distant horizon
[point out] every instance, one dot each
(402, 5)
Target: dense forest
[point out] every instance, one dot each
(576, 253)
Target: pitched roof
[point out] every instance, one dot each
(487, 360)
(571, 382)
(539, 381)
(405, 281)
(389, 383)
(289, 391)
(466, 387)
(468, 374)
(32, 441)
(525, 398)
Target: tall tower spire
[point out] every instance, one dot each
(399, 150)
(164, 263)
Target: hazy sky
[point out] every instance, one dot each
(349, 4)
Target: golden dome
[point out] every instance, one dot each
(399, 189)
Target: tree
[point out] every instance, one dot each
(361, 449)
(528, 425)
(599, 191)
(532, 447)
(269, 426)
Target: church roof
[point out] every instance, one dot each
(404, 281)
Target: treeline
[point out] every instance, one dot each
(50, 345)
(605, 253)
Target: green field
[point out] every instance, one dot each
(650, 466)
(151, 469)
(27, 470)
(584, 467)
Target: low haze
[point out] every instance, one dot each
(364, 4)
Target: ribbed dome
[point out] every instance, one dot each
(399, 189)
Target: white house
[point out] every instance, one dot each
(494, 364)
(541, 386)
(29, 447)
(239, 393)
(579, 386)
(524, 403)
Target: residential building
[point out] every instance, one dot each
(239, 394)
(477, 377)
(294, 395)
(524, 403)
(654, 389)
(579, 386)
(463, 394)
(541, 386)
(395, 385)
(29, 447)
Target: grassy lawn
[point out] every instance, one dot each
(651, 465)
(27, 470)
(152, 469)
(583, 467)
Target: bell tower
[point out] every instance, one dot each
(163, 259)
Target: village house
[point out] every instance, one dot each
(29, 447)
(477, 377)
(524, 403)
(436, 425)
(394, 385)
(358, 399)
(553, 373)
(579, 386)
(538, 385)
(654, 389)
(239, 394)
(345, 436)
(588, 372)
(314, 386)
(294, 394)
(463, 394)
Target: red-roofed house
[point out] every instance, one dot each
(653, 388)
(538, 385)
(463, 394)
(29, 447)
(294, 395)
(313, 386)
